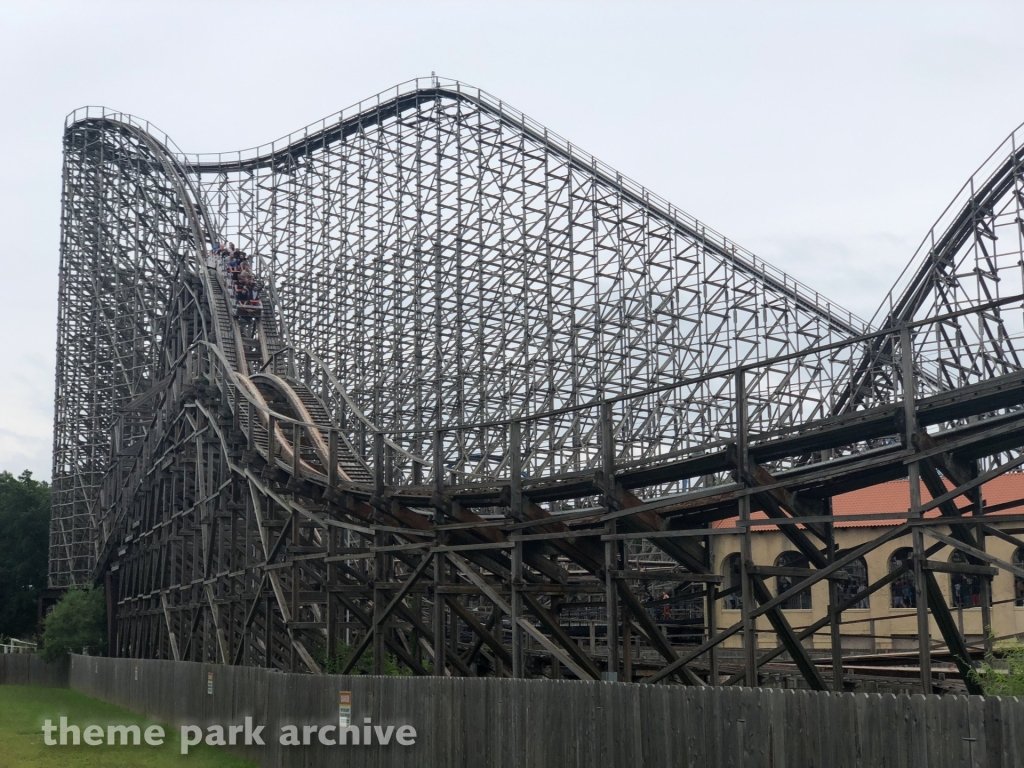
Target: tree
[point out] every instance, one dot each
(24, 543)
(77, 624)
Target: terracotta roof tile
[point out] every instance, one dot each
(894, 496)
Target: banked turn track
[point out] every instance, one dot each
(495, 400)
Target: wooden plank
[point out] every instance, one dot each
(699, 703)
(956, 729)
(864, 705)
(938, 740)
(1016, 712)
(993, 731)
(889, 721)
(755, 731)
(777, 732)
(921, 736)
(937, 566)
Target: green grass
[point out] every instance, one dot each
(24, 708)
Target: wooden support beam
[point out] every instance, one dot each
(215, 614)
(197, 615)
(169, 623)
(772, 570)
(834, 616)
(782, 498)
(249, 616)
(935, 486)
(495, 598)
(991, 530)
(381, 615)
(654, 635)
(686, 658)
(963, 568)
(400, 650)
(483, 633)
(955, 643)
(281, 539)
(788, 637)
(1016, 570)
(742, 456)
(550, 622)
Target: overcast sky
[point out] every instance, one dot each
(825, 137)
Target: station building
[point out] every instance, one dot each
(887, 619)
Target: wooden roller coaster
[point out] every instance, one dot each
(494, 399)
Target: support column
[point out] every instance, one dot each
(611, 597)
(268, 633)
(518, 657)
(440, 643)
(332, 459)
(556, 665)
(610, 547)
(746, 543)
(331, 609)
(917, 537)
(516, 501)
(379, 566)
(627, 650)
(977, 496)
(835, 617)
(712, 622)
(296, 578)
(109, 590)
(710, 617)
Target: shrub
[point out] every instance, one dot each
(77, 624)
(364, 666)
(997, 682)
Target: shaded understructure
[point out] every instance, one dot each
(495, 398)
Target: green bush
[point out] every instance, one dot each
(364, 666)
(997, 682)
(77, 624)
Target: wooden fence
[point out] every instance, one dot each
(29, 669)
(479, 723)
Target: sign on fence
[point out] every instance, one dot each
(344, 709)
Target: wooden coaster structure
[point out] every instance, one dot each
(495, 397)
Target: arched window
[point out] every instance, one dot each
(1018, 582)
(782, 583)
(902, 588)
(731, 579)
(964, 588)
(857, 579)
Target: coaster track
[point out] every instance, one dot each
(497, 393)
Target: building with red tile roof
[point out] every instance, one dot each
(886, 620)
